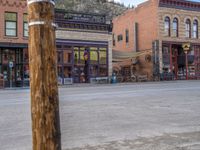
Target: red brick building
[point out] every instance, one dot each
(77, 34)
(13, 42)
(162, 26)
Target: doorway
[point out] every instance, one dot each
(12, 66)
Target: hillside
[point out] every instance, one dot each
(110, 9)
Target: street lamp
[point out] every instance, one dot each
(186, 49)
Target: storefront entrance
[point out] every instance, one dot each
(14, 66)
(81, 62)
(176, 64)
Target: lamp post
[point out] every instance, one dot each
(186, 49)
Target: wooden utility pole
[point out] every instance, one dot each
(43, 76)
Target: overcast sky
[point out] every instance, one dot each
(131, 2)
(136, 2)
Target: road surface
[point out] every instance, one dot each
(139, 116)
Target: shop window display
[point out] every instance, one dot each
(102, 56)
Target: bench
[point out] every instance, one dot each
(99, 80)
(142, 78)
(68, 81)
(102, 79)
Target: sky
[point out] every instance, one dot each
(131, 2)
(136, 2)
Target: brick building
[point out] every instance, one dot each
(13, 42)
(163, 26)
(78, 36)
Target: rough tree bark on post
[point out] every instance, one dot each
(43, 76)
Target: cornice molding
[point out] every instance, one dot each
(10, 3)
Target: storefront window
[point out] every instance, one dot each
(5, 73)
(0, 57)
(8, 55)
(93, 70)
(19, 56)
(166, 59)
(103, 70)
(67, 57)
(76, 55)
(82, 53)
(93, 55)
(26, 72)
(60, 72)
(19, 72)
(67, 72)
(26, 57)
(59, 57)
(102, 55)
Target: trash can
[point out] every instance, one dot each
(114, 78)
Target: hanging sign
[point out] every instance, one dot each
(186, 47)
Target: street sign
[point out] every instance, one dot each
(10, 64)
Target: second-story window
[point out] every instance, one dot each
(188, 28)
(175, 27)
(127, 36)
(119, 37)
(195, 29)
(10, 24)
(113, 39)
(25, 26)
(167, 26)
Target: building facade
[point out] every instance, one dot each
(163, 26)
(84, 45)
(13, 43)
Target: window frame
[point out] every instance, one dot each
(167, 21)
(120, 37)
(175, 30)
(25, 22)
(127, 36)
(188, 28)
(5, 27)
(195, 23)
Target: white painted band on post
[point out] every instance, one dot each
(36, 1)
(36, 23)
(40, 23)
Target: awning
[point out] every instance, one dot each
(13, 45)
(119, 56)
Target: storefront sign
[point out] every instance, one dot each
(186, 47)
(80, 17)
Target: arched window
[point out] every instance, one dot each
(195, 29)
(175, 27)
(188, 28)
(167, 26)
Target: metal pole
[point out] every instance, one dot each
(10, 77)
(186, 65)
(43, 76)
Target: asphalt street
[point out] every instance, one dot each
(138, 116)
